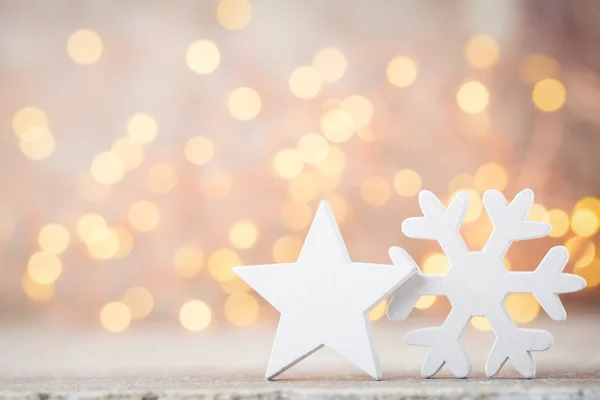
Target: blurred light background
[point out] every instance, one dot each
(149, 146)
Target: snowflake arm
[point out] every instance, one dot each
(509, 221)
(547, 282)
(514, 343)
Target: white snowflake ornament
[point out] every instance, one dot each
(324, 298)
(477, 282)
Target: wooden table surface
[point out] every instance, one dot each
(173, 363)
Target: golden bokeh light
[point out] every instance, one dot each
(538, 213)
(107, 168)
(481, 323)
(189, 261)
(143, 215)
(425, 302)
(139, 301)
(125, 239)
(142, 128)
(244, 103)
(115, 316)
(44, 267)
(482, 51)
(221, 262)
(549, 95)
(523, 307)
(198, 150)
(402, 71)
(436, 263)
(36, 291)
(161, 178)
(584, 222)
(313, 148)
(581, 251)
(28, 117)
(591, 203)
(241, 309)
(103, 244)
(375, 191)
(331, 64)
(305, 82)
(559, 221)
(288, 163)
(304, 187)
(295, 215)
(195, 315)
(537, 67)
(54, 238)
(359, 108)
(130, 152)
(215, 183)
(234, 14)
(337, 126)
(472, 97)
(491, 176)
(89, 224)
(85, 46)
(243, 234)
(203, 57)
(407, 182)
(36, 143)
(379, 311)
(287, 249)
(333, 164)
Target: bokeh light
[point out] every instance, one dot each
(36, 143)
(304, 187)
(139, 301)
(523, 307)
(436, 263)
(481, 323)
(482, 51)
(334, 163)
(425, 302)
(472, 97)
(37, 291)
(241, 309)
(107, 168)
(359, 108)
(559, 221)
(537, 67)
(288, 163)
(85, 46)
(286, 249)
(244, 103)
(103, 244)
(221, 262)
(538, 213)
(581, 251)
(305, 82)
(195, 315)
(313, 148)
(130, 152)
(142, 128)
(549, 95)
(584, 222)
(402, 71)
(375, 191)
(491, 176)
(337, 126)
(44, 267)
(379, 311)
(234, 14)
(28, 117)
(143, 215)
(54, 238)
(243, 234)
(198, 150)
(407, 182)
(203, 56)
(115, 316)
(330, 63)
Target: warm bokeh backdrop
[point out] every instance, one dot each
(149, 146)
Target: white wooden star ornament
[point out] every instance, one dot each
(477, 282)
(324, 299)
